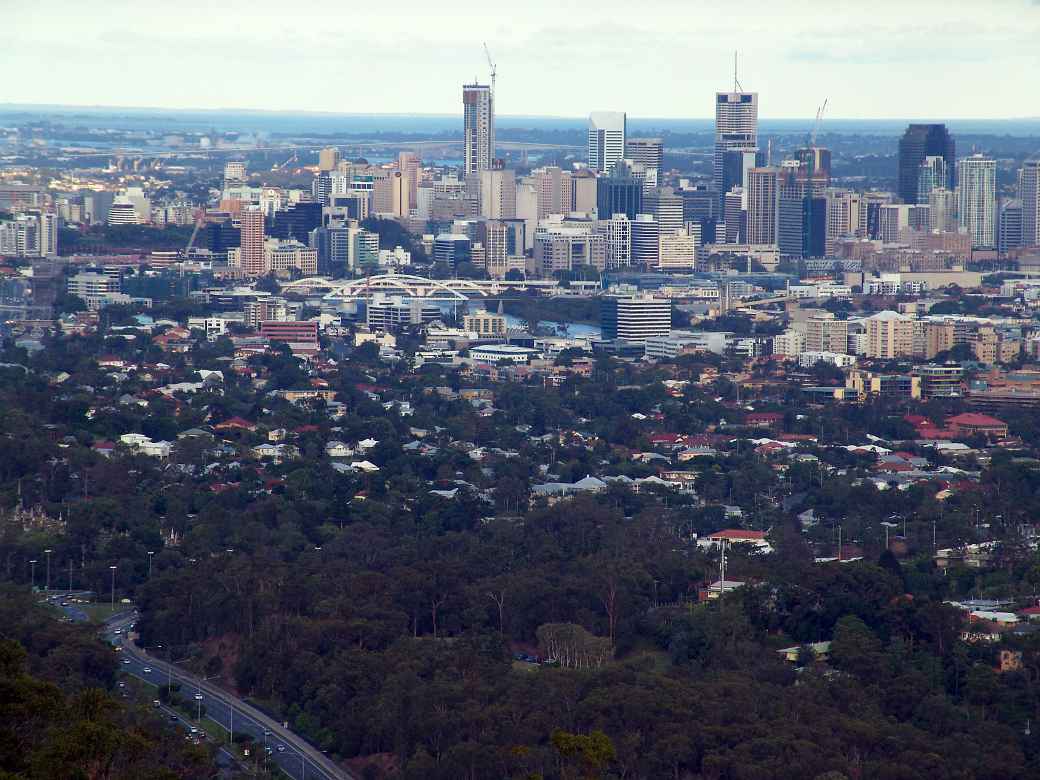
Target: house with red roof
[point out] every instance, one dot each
(764, 419)
(235, 424)
(973, 424)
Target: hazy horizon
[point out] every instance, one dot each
(914, 60)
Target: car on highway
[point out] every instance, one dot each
(147, 670)
(281, 748)
(126, 660)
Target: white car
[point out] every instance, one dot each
(126, 660)
(148, 670)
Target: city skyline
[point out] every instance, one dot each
(790, 54)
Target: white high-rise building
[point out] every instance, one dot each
(736, 128)
(618, 231)
(1029, 186)
(606, 140)
(943, 205)
(498, 194)
(234, 171)
(977, 200)
(478, 117)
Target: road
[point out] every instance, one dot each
(293, 755)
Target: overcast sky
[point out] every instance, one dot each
(653, 58)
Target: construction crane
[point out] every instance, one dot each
(494, 70)
(816, 124)
(200, 219)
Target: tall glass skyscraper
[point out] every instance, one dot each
(736, 129)
(917, 143)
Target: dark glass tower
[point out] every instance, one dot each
(618, 196)
(918, 142)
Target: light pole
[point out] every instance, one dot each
(48, 552)
(70, 575)
(198, 700)
(150, 554)
(32, 573)
(113, 570)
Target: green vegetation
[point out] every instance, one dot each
(102, 239)
(56, 719)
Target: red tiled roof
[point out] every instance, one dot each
(738, 534)
(972, 418)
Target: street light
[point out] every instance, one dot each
(48, 552)
(198, 700)
(113, 570)
(32, 572)
(150, 554)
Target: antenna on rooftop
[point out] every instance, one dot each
(736, 82)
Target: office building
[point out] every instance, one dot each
(251, 242)
(918, 143)
(618, 234)
(977, 200)
(844, 209)
(583, 192)
(762, 203)
(1029, 190)
(606, 140)
(498, 194)
(234, 172)
(328, 160)
(942, 205)
(735, 166)
(296, 222)
(478, 108)
(678, 250)
(666, 206)
(735, 217)
(932, 176)
(736, 129)
(700, 203)
(802, 227)
(284, 257)
(452, 249)
(635, 318)
(564, 247)
(410, 166)
(493, 236)
(646, 233)
(1009, 226)
(648, 152)
(618, 196)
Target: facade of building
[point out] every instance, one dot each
(478, 116)
(251, 242)
(606, 140)
(635, 318)
(889, 335)
(736, 128)
(1030, 196)
(919, 142)
(977, 200)
(762, 203)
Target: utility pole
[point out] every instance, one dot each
(32, 573)
(48, 552)
(150, 554)
(113, 570)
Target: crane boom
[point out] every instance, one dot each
(491, 65)
(819, 119)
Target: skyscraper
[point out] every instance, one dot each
(1030, 194)
(606, 140)
(977, 200)
(251, 253)
(1009, 226)
(648, 152)
(736, 128)
(618, 196)
(478, 117)
(498, 194)
(917, 143)
(762, 202)
(932, 175)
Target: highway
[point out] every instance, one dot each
(292, 754)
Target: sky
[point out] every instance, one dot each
(911, 59)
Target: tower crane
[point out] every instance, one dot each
(494, 69)
(816, 124)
